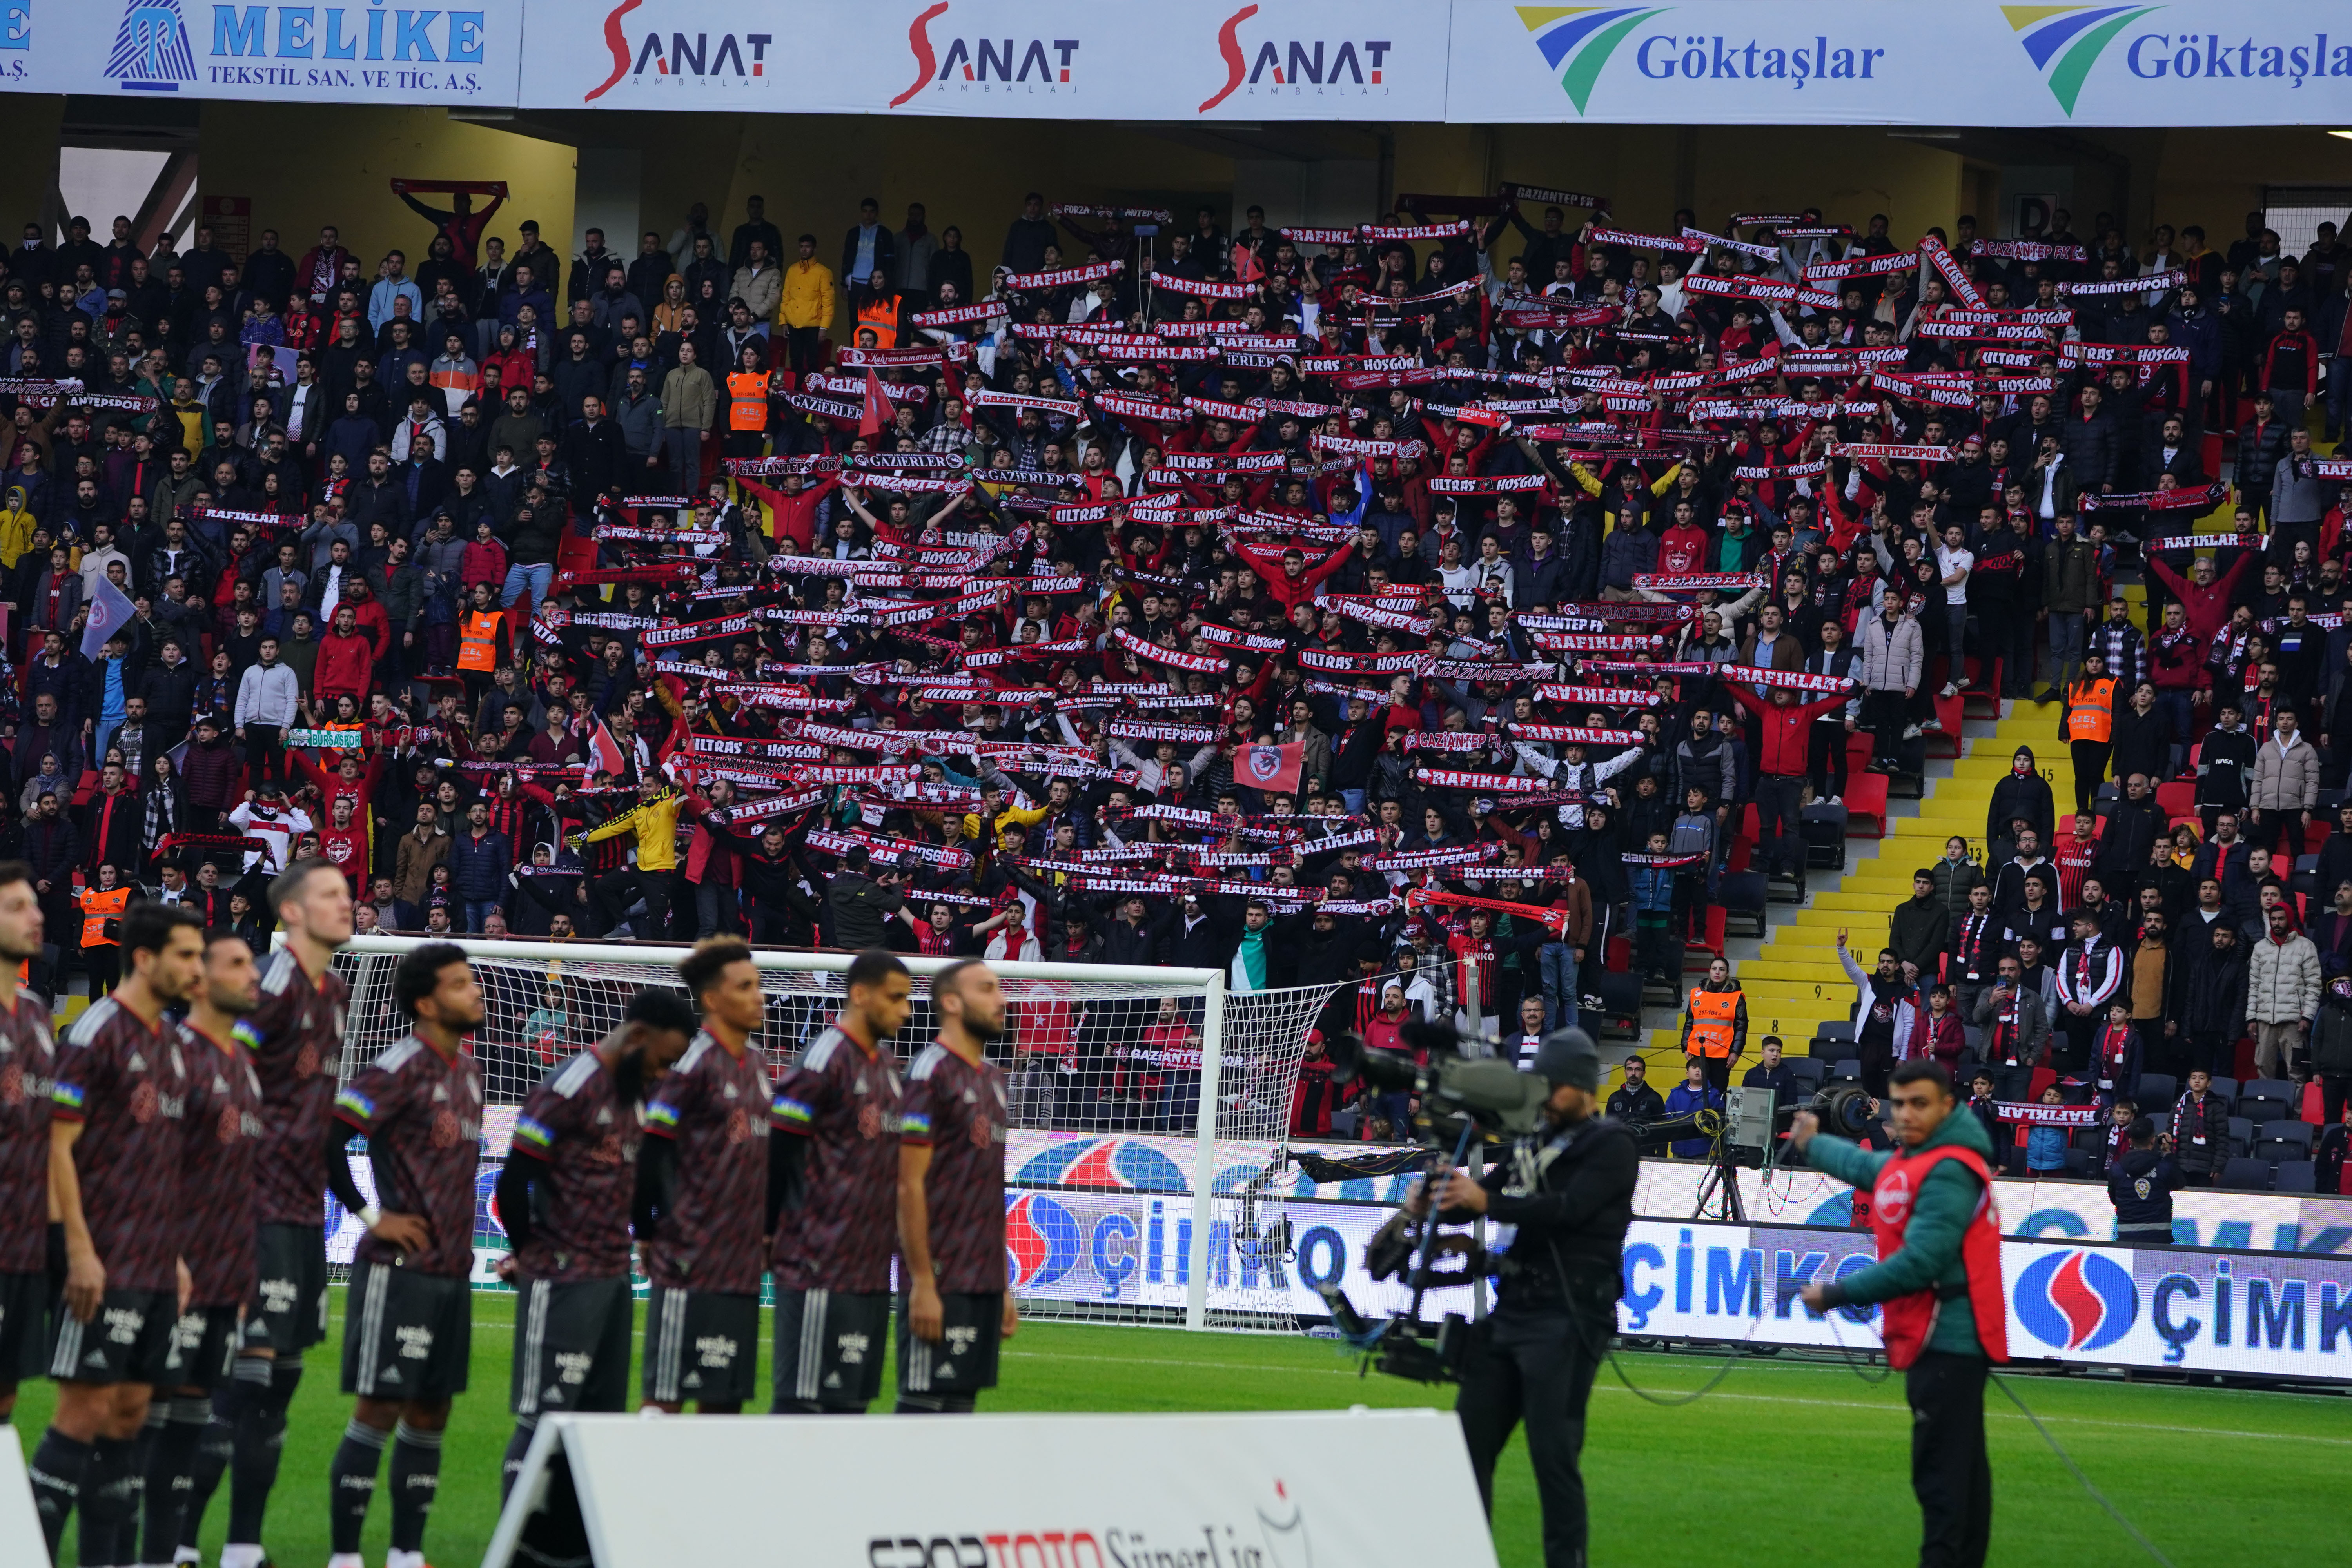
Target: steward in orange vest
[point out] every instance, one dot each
(1714, 1022)
(100, 909)
(1944, 1313)
(478, 639)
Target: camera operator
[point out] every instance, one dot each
(1561, 1201)
(1938, 1277)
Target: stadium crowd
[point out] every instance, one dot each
(1418, 607)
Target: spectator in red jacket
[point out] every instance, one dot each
(1781, 758)
(346, 663)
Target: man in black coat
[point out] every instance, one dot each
(595, 452)
(2088, 439)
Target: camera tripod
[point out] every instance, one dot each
(1720, 1188)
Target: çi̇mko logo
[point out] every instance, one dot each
(1578, 41)
(985, 65)
(2079, 1301)
(2072, 36)
(150, 49)
(1355, 66)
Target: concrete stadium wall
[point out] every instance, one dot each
(303, 167)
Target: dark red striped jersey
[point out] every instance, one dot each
(128, 1085)
(298, 1054)
(577, 1122)
(220, 1237)
(28, 1070)
(421, 1113)
(714, 1106)
(845, 1101)
(957, 1110)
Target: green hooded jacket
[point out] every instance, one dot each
(1931, 1253)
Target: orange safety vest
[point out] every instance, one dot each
(748, 409)
(881, 315)
(97, 909)
(478, 640)
(1712, 1013)
(2090, 708)
(1907, 1320)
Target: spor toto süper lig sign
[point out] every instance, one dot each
(1723, 62)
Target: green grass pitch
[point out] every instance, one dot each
(1784, 1458)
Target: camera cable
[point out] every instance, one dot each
(2047, 1436)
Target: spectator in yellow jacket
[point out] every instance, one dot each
(17, 526)
(806, 308)
(655, 822)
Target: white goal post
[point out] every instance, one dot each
(1148, 1127)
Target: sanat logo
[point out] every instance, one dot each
(978, 63)
(688, 54)
(150, 49)
(2072, 36)
(1357, 63)
(2078, 1301)
(1583, 37)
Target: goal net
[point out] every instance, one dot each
(1147, 1116)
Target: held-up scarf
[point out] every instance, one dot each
(2195, 498)
(1599, 695)
(1554, 920)
(1795, 681)
(1550, 197)
(1480, 783)
(1205, 664)
(1695, 581)
(1575, 735)
(2048, 1115)
(1178, 734)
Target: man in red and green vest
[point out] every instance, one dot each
(1937, 1279)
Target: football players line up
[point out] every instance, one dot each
(162, 1250)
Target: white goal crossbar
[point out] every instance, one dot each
(1134, 1117)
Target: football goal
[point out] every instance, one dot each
(1147, 1119)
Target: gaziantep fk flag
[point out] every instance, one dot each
(875, 416)
(604, 754)
(111, 610)
(1271, 768)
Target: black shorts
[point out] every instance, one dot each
(24, 1327)
(406, 1335)
(131, 1339)
(571, 1346)
(287, 1313)
(963, 1359)
(829, 1348)
(207, 1339)
(701, 1345)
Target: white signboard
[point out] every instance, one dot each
(1786, 62)
(360, 52)
(1032, 60)
(1708, 62)
(1272, 1490)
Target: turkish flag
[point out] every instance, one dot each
(1272, 768)
(875, 417)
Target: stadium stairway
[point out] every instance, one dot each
(1792, 977)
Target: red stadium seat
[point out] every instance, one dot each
(1983, 695)
(1946, 742)
(2176, 800)
(1865, 796)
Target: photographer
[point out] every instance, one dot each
(1560, 1201)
